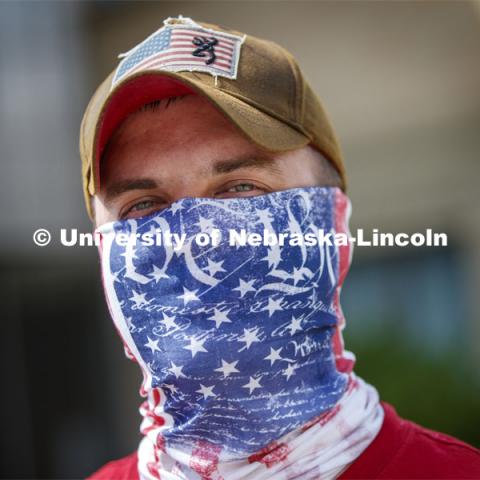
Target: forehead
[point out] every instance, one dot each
(174, 113)
(174, 126)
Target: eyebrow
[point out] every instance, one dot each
(123, 186)
(224, 166)
(227, 166)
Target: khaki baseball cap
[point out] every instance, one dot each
(256, 83)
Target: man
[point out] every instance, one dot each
(204, 131)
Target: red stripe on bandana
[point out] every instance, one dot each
(343, 363)
(204, 460)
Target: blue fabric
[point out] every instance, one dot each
(237, 337)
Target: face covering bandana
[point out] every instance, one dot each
(238, 333)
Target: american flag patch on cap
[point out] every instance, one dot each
(183, 45)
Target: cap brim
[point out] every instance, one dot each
(261, 128)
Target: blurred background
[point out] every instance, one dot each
(401, 81)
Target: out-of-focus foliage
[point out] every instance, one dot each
(438, 392)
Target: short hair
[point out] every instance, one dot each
(155, 105)
(329, 176)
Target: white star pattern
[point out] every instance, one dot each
(206, 391)
(214, 267)
(245, 287)
(156, 43)
(249, 336)
(157, 274)
(297, 275)
(173, 389)
(169, 322)
(252, 384)
(242, 314)
(188, 295)
(220, 317)
(129, 255)
(273, 257)
(295, 325)
(264, 215)
(227, 368)
(290, 370)
(273, 306)
(177, 370)
(138, 299)
(152, 345)
(274, 355)
(196, 346)
(204, 224)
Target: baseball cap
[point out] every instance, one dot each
(256, 83)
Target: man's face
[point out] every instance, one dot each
(190, 149)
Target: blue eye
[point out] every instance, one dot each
(241, 187)
(141, 205)
(144, 207)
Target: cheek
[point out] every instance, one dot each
(100, 212)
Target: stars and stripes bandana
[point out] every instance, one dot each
(245, 374)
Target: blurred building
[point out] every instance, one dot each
(401, 83)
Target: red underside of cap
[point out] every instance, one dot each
(129, 98)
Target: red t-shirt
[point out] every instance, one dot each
(402, 449)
